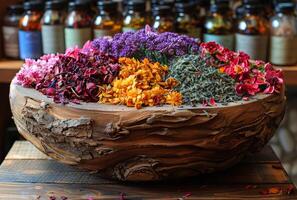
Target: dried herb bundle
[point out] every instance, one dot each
(202, 83)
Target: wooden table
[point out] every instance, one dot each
(26, 173)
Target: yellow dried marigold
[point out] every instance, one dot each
(141, 83)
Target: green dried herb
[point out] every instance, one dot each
(200, 82)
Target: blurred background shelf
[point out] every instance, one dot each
(8, 69)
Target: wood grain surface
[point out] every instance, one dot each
(153, 143)
(23, 176)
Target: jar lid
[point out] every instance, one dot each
(219, 7)
(138, 5)
(251, 2)
(107, 5)
(15, 8)
(78, 4)
(253, 7)
(161, 10)
(183, 7)
(167, 2)
(55, 4)
(285, 6)
(33, 5)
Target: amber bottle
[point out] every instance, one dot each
(218, 26)
(30, 42)
(253, 32)
(135, 17)
(78, 24)
(186, 21)
(163, 21)
(10, 30)
(52, 28)
(108, 21)
(283, 38)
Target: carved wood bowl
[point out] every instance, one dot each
(153, 143)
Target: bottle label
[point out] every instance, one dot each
(283, 50)
(127, 29)
(77, 36)
(53, 39)
(11, 41)
(30, 44)
(224, 40)
(101, 33)
(254, 45)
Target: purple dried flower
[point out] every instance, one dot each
(129, 44)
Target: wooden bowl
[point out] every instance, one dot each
(153, 143)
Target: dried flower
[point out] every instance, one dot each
(146, 43)
(77, 76)
(34, 71)
(251, 77)
(202, 83)
(141, 83)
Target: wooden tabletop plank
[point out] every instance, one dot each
(17, 191)
(50, 171)
(25, 150)
(28, 174)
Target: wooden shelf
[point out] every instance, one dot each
(290, 74)
(8, 69)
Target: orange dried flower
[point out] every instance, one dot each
(141, 83)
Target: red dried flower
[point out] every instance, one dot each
(76, 76)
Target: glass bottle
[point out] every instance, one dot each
(30, 42)
(283, 39)
(218, 26)
(163, 21)
(52, 27)
(78, 24)
(253, 32)
(186, 22)
(135, 17)
(10, 30)
(107, 22)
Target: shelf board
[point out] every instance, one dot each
(8, 69)
(290, 75)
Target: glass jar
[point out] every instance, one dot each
(78, 24)
(283, 38)
(218, 26)
(135, 17)
(30, 42)
(108, 21)
(186, 22)
(52, 27)
(163, 21)
(10, 30)
(253, 32)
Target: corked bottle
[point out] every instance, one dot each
(10, 30)
(186, 22)
(283, 39)
(253, 31)
(218, 26)
(78, 24)
(135, 16)
(52, 28)
(30, 42)
(108, 21)
(163, 21)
